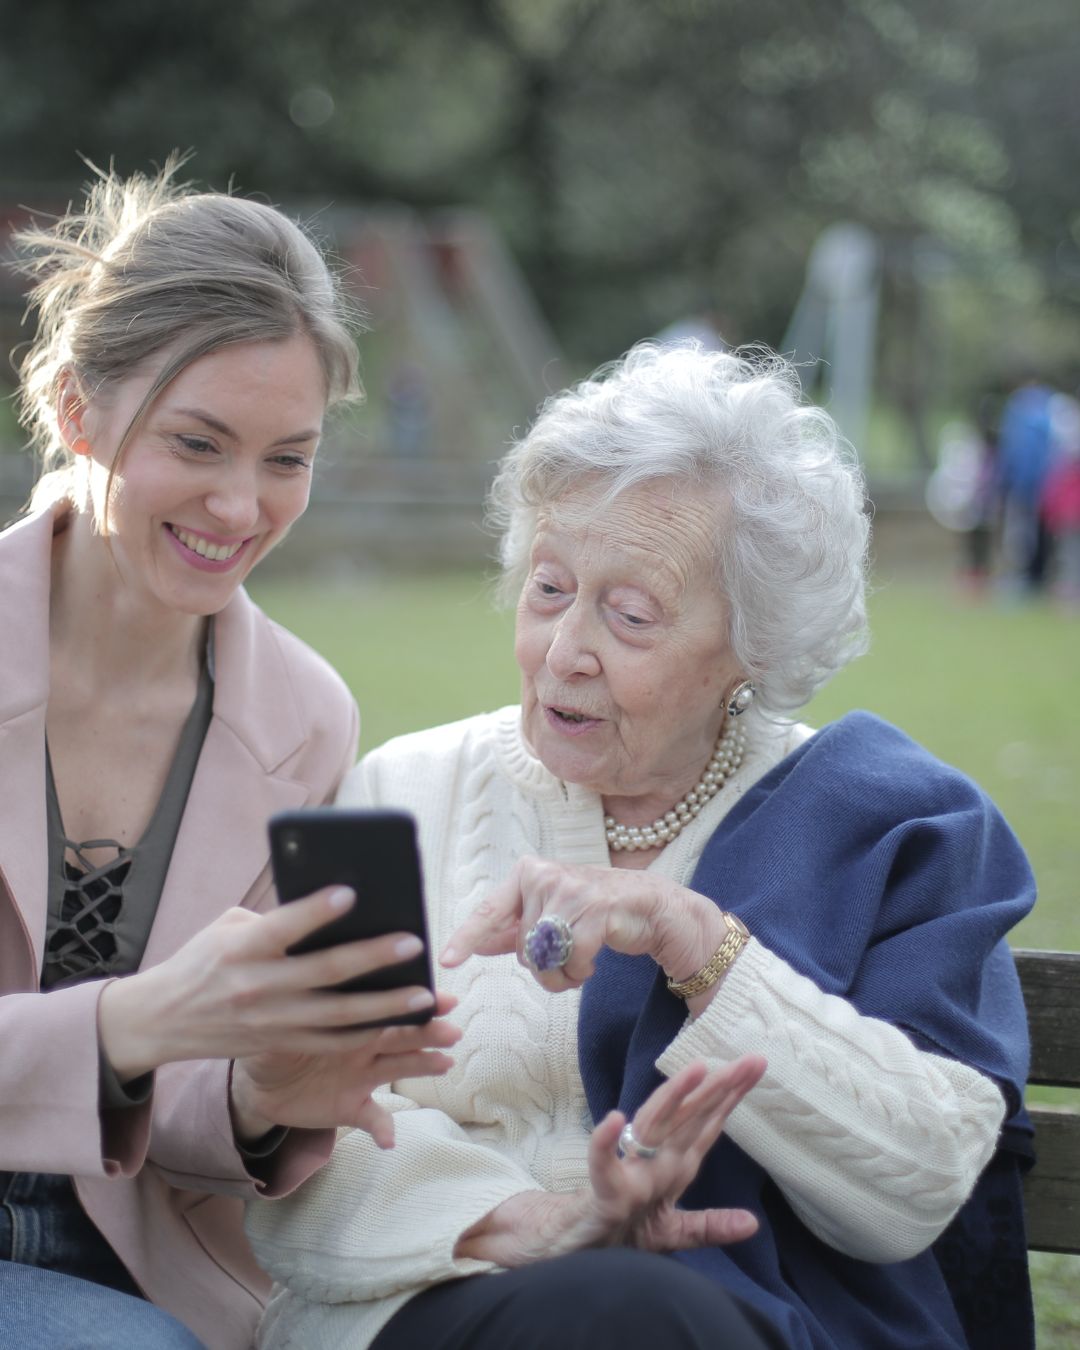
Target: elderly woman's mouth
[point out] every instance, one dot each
(569, 719)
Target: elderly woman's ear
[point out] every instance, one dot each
(740, 698)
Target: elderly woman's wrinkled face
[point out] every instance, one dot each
(622, 642)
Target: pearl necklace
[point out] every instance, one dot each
(726, 758)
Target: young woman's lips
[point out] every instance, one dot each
(568, 722)
(206, 554)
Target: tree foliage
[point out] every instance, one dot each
(639, 154)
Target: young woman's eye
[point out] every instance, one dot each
(293, 463)
(198, 445)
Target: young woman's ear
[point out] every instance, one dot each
(71, 414)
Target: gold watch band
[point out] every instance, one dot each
(718, 964)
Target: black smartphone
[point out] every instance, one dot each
(374, 852)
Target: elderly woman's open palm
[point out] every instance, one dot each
(635, 1183)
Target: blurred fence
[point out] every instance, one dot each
(375, 512)
(413, 515)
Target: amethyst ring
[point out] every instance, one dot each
(548, 944)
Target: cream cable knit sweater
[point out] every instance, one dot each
(874, 1143)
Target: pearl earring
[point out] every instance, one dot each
(741, 697)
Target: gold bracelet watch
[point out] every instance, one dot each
(718, 964)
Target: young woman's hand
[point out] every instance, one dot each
(334, 1087)
(631, 1201)
(233, 992)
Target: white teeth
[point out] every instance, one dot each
(211, 552)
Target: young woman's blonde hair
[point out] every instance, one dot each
(150, 265)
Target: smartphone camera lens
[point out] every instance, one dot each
(291, 847)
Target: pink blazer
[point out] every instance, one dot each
(163, 1182)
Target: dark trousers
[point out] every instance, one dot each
(610, 1299)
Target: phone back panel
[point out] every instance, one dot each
(375, 853)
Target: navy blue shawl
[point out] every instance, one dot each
(889, 879)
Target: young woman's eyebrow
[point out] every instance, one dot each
(215, 424)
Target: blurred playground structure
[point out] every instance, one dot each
(458, 355)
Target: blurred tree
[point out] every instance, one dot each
(640, 157)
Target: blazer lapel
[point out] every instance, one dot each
(242, 776)
(241, 780)
(25, 565)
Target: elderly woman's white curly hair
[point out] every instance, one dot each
(792, 524)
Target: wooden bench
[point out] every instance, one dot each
(1051, 984)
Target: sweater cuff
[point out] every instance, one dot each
(327, 1268)
(703, 1036)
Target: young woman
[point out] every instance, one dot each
(155, 1038)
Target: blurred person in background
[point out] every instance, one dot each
(706, 325)
(1061, 500)
(1025, 453)
(743, 1044)
(160, 1056)
(963, 495)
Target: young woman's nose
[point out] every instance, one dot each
(234, 500)
(572, 650)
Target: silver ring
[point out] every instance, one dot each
(548, 943)
(631, 1147)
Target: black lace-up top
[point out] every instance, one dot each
(103, 896)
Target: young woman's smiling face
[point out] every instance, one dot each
(214, 474)
(622, 642)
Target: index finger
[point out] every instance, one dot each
(491, 929)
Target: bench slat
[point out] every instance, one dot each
(1052, 1188)
(1051, 985)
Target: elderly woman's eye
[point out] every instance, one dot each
(547, 588)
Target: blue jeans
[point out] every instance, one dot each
(62, 1285)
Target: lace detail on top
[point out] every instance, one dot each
(101, 909)
(84, 940)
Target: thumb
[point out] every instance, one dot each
(377, 1121)
(716, 1227)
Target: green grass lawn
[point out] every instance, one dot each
(991, 689)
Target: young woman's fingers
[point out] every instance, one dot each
(290, 1022)
(378, 1122)
(286, 925)
(327, 1011)
(335, 965)
(417, 1064)
(438, 1034)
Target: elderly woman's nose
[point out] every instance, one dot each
(571, 651)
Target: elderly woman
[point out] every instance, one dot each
(649, 882)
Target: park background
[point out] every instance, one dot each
(517, 190)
